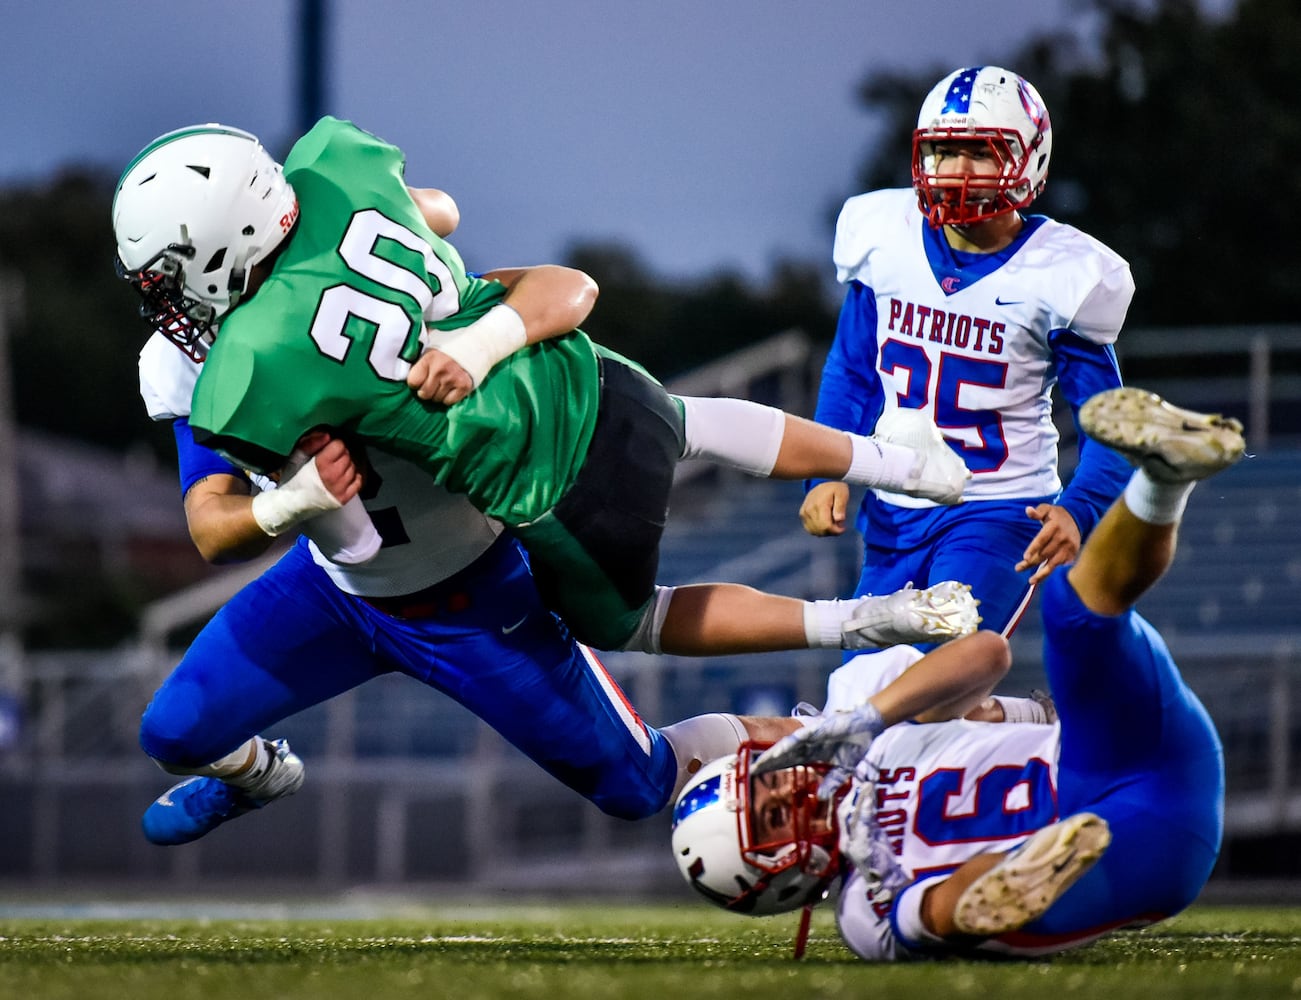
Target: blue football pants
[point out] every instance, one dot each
(291, 639)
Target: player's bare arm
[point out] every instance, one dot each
(551, 299)
(769, 729)
(219, 514)
(1057, 543)
(224, 522)
(824, 509)
(541, 302)
(944, 684)
(438, 208)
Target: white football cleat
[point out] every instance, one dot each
(1032, 877)
(939, 474)
(1172, 445)
(939, 613)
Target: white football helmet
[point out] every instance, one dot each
(716, 851)
(193, 212)
(993, 105)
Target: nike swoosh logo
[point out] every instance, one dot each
(508, 629)
(1013, 302)
(165, 799)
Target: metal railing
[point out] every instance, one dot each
(472, 810)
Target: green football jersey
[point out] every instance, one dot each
(329, 337)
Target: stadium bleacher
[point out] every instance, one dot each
(395, 767)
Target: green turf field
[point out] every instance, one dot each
(654, 952)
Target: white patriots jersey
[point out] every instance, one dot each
(940, 794)
(429, 534)
(866, 674)
(974, 353)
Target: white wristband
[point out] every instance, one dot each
(491, 338)
(297, 498)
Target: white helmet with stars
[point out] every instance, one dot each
(193, 213)
(717, 852)
(986, 104)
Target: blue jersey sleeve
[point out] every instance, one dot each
(196, 461)
(850, 396)
(1083, 370)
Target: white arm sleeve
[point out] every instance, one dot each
(865, 927)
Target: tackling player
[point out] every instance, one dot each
(963, 308)
(443, 597)
(328, 284)
(967, 838)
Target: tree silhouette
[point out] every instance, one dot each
(77, 334)
(1176, 142)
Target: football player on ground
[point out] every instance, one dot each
(962, 308)
(966, 838)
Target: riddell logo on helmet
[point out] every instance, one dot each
(289, 218)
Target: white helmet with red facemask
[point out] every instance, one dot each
(990, 105)
(722, 857)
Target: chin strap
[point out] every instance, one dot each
(802, 934)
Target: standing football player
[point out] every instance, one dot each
(962, 308)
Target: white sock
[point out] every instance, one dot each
(235, 762)
(252, 778)
(823, 621)
(1156, 502)
(908, 913)
(879, 463)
